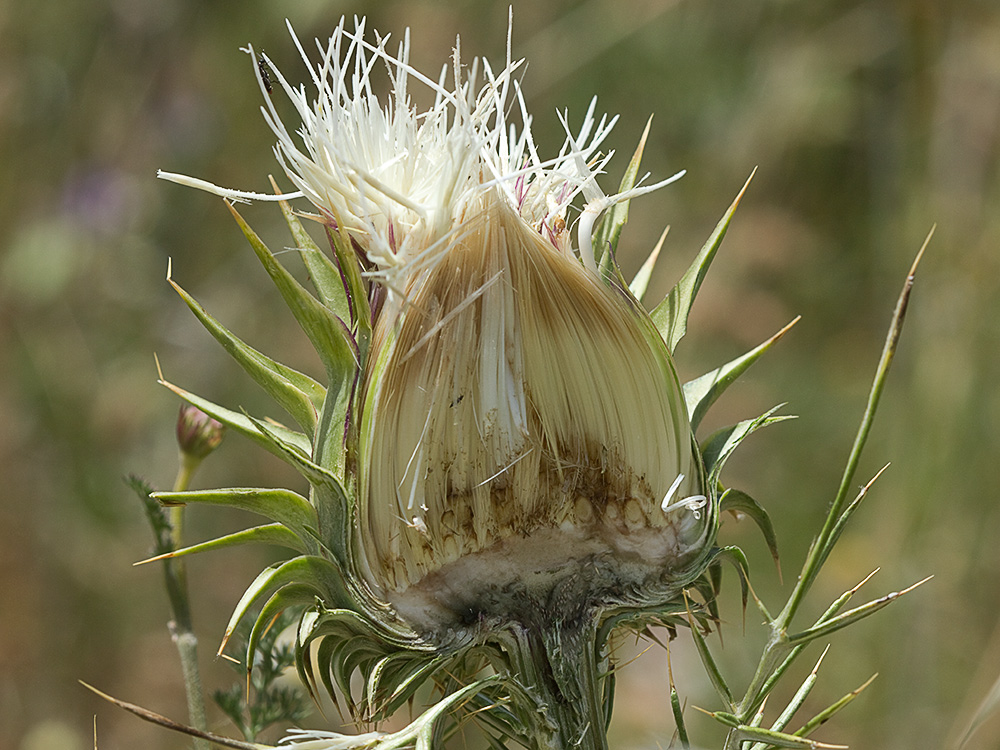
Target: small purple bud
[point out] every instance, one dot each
(197, 433)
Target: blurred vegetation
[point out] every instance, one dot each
(870, 120)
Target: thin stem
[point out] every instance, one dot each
(820, 549)
(181, 630)
(778, 648)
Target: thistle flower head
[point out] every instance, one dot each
(518, 412)
(503, 440)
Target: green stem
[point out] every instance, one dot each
(778, 649)
(821, 548)
(181, 630)
(559, 663)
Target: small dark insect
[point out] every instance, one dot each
(265, 75)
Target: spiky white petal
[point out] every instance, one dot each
(401, 179)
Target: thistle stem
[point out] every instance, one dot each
(560, 665)
(823, 543)
(181, 629)
(778, 649)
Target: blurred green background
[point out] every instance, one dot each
(870, 120)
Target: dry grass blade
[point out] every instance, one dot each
(155, 718)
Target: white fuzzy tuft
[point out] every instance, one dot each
(402, 180)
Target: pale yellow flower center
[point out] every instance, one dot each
(515, 397)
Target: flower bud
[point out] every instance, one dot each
(197, 433)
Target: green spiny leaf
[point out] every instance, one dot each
(736, 557)
(850, 616)
(290, 595)
(835, 517)
(394, 679)
(357, 293)
(284, 506)
(331, 501)
(671, 315)
(274, 533)
(510, 710)
(607, 235)
(675, 706)
(723, 717)
(301, 396)
(322, 272)
(344, 292)
(787, 656)
(702, 392)
(845, 516)
(740, 502)
(746, 733)
(336, 671)
(713, 575)
(798, 699)
(825, 715)
(841, 600)
(325, 330)
(292, 452)
(321, 575)
(334, 441)
(409, 673)
(350, 642)
(794, 653)
(711, 667)
(640, 282)
(303, 657)
(720, 445)
(608, 697)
